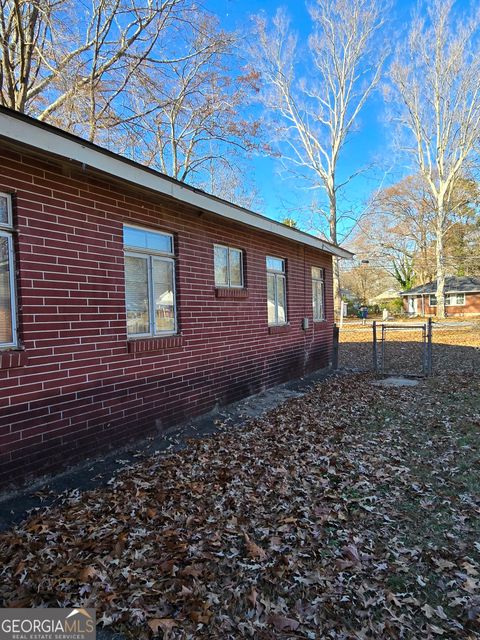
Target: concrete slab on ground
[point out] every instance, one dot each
(396, 382)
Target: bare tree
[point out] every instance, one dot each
(59, 66)
(151, 78)
(401, 230)
(366, 281)
(435, 76)
(314, 116)
(194, 107)
(232, 182)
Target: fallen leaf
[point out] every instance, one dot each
(161, 624)
(253, 550)
(281, 623)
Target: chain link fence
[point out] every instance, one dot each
(402, 347)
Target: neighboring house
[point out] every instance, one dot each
(130, 301)
(350, 300)
(348, 296)
(386, 296)
(462, 297)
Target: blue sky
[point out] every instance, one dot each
(371, 145)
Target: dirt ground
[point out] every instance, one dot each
(350, 512)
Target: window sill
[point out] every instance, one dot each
(230, 292)
(12, 359)
(162, 343)
(320, 321)
(275, 329)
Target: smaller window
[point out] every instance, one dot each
(275, 264)
(276, 291)
(228, 265)
(318, 293)
(433, 300)
(460, 299)
(144, 240)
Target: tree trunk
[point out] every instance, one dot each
(337, 298)
(439, 255)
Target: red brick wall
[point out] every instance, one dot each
(472, 303)
(80, 387)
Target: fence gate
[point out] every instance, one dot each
(402, 349)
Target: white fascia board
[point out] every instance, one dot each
(434, 293)
(455, 291)
(45, 140)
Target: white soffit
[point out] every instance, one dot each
(45, 138)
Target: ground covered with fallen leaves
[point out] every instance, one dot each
(352, 512)
(455, 348)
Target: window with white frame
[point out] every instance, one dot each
(451, 300)
(318, 293)
(455, 299)
(8, 320)
(149, 282)
(228, 265)
(276, 291)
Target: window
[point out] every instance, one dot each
(8, 320)
(276, 291)
(228, 265)
(451, 299)
(318, 293)
(455, 299)
(149, 282)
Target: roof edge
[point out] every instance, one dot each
(23, 129)
(429, 293)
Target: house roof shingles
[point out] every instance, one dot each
(453, 284)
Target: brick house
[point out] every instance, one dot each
(130, 302)
(462, 297)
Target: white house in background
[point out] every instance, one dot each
(386, 296)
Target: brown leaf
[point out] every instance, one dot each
(252, 596)
(161, 624)
(351, 552)
(120, 545)
(469, 568)
(201, 617)
(194, 570)
(254, 551)
(281, 623)
(87, 574)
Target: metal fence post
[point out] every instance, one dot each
(429, 370)
(375, 357)
(336, 334)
